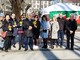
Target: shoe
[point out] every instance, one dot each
(19, 49)
(14, 46)
(6, 50)
(46, 47)
(67, 48)
(56, 46)
(32, 49)
(52, 47)
(71, 49)
(25, 49)
(2, 49)
(61, 46)
(43, 47)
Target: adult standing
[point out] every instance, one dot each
(61, 22)
(27, 27)
(71, 26)
(20, 32)
(36, 29)
(54, 31)
(45, 25)
(8, 28)
(14, 23)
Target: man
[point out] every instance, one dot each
(61, 22)
(71, 26)
(27, 27)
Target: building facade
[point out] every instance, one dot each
(37, 5)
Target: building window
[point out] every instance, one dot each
(34, 2)
(41, 6)
(34, 6)
(37, 1)
(45, 1)
(45, 6)
(37, 5)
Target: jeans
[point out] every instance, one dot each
(28, 41)
(60, 37)
(21, 40)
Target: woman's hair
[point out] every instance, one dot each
(44, 16)
(36, 16)
(7, 14)
(53, 17)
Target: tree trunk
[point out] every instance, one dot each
(16, 8)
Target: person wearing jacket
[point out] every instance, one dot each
(27, 27)
(15, 29)
(54, 31)
(71, 27)
(61, 22)
(8, 28)
(20, 32)
(45, 25)
(36, 29)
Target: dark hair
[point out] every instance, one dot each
(23, 14)
(7, 14)
(44, 16)
(36, 16)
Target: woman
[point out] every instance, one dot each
(8, 28)
(45, 25)
(14, 23)
(54, 31)
(20, 32)
(36, 29)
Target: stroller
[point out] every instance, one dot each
(2, 41)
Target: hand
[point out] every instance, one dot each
(10, 29)
(14, 25)
(71, 31)
(30, 27)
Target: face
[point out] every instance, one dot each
(72, 17)
(7, 17)
(54, 18)
(22, 17)
(36, 18)
(13, 16)
(60, 15)
(30, 16)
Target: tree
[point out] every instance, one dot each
(17, 6)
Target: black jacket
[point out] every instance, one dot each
(71, 25)
(5, 27)
(26, 24)
(36, 30)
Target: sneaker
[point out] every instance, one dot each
(35, 47)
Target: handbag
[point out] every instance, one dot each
(3, 34)
(44, 30)
(20, 31)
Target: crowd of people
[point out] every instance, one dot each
(29, 28)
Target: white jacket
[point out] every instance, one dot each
(55, 28)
